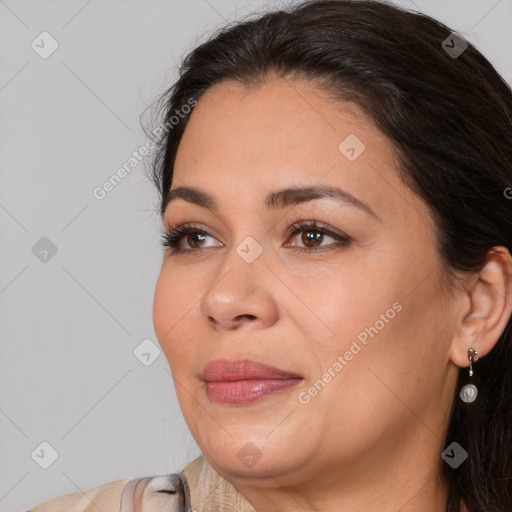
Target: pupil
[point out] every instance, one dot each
(195, 235)
(306, 238)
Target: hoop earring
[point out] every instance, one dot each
(469, 392)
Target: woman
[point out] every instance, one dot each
(336, 293)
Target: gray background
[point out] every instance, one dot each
(69, 325)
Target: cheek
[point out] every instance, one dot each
(173, 305)
(367, 315)
(378, 297)
(339, 303)
(162, 310)
(393, 345)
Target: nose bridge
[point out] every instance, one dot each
(243, 266)
(249, 249)
(248, 238)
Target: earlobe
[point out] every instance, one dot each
(490, 297)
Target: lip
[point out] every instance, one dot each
(243, 381)
(243, 369)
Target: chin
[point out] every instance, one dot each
(249, 453)
(250, 462)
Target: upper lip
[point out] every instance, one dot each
(242, 369)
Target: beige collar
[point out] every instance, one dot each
(210, 492)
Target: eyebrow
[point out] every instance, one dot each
(276, 199)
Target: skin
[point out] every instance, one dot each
(372, 438)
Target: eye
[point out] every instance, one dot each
(193, 235)
(313, 234)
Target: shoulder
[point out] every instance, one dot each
(105, 497)
(144, 494)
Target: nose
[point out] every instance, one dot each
(241, 298)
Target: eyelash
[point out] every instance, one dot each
(173, 238)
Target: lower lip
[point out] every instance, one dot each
(245, 391)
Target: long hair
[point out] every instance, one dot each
(449, 114)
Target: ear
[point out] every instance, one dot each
(483, 321)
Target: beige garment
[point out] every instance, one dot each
(210, 492)
(199, 482)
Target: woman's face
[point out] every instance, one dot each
(361, 322)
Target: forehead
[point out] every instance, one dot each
(281, 113)
(286, 132)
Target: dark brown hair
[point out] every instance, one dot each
(450, 118)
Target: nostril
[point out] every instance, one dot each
(240, 317)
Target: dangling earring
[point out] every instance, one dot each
(469, 391)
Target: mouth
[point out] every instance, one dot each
(243, 381)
